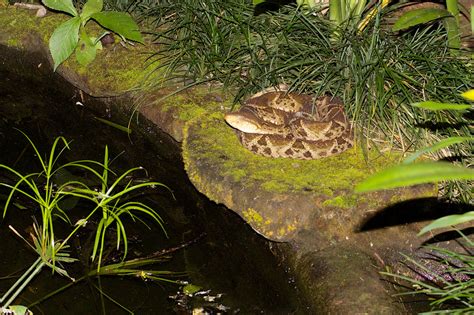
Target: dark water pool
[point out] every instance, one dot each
(226, 256)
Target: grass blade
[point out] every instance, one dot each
(448, 221)
(412, 174)
(437, 146)
(441, 106)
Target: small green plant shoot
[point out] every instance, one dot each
(71, 35)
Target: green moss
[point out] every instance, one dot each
(48, 24)
(13, 42)
(343, 202)
(16, 24)
(216, 142)
(253, 216)
(258, 222)
(184, 109)
(194, 103)
(20, 23)
(239, 174)
(285, 230)
(114, 73)
(115, 70)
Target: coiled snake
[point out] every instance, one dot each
(290, 125)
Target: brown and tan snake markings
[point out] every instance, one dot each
(290, 125)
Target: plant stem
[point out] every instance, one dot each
(335, 13)
(30, 273)
(452, 26)
(20, 280)
(453, 8)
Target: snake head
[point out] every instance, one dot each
(243, 122)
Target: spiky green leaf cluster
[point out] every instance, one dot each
(112, 201)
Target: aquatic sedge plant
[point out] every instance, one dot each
(71, 35)
(110, 203)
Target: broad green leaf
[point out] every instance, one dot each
(448, 221)
(64, 40)
(91, 7)
(469, 95)
(419, 16)
(441, 106)
(437, 146)
(257, 2)
(61, 5)
(120, 23)
(85, 52)
(86, 48)
(412, 174)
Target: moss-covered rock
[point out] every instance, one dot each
(115, 70)
(340, 270)
(172, 112)
(281, 197)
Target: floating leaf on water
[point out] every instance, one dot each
(81, 222)
(18, 310)
(190, 289)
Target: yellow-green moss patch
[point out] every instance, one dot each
(184, 109)
(216, 141)
(258, 222)
(16, 24)
(117, 68)
(19, 23)
(114, 70)
(195, 102)
(253, 216)
(343, 202)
